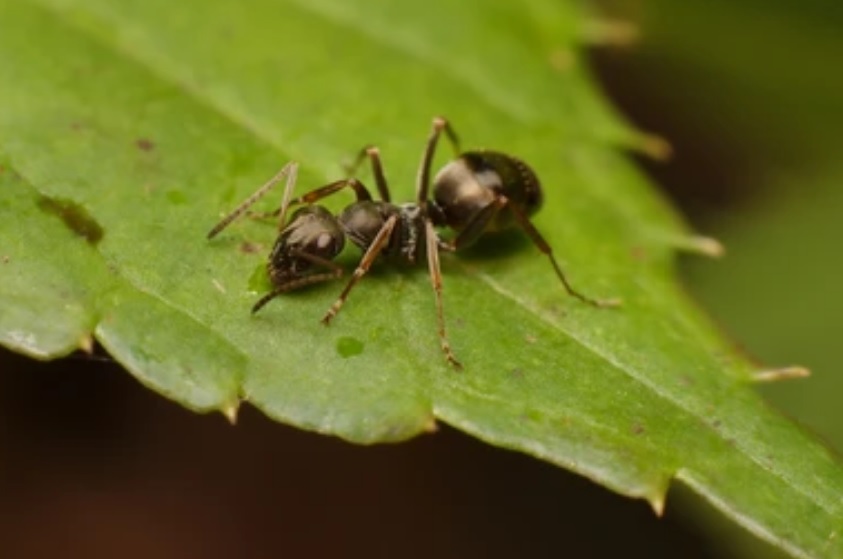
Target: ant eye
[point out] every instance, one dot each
(323, 241)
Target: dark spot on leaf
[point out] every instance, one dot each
(716, 423)
(638, 429)
(638, 253)
(2, 169)
(145, 144)
(74, 216)
(518, 373)
(6, 259)
(349, 347)
(686, 380)
(250, 248)
(556, 311)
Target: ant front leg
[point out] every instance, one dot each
(317, 194)
(290, 170)
(303, 281)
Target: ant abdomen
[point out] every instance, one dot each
(475, 180)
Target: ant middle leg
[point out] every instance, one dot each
(423, 181)
(378, 244)
(432, 240)
(360, 191)
(317, 194)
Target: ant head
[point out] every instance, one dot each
(312, 235)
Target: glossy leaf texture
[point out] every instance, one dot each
(127, 129)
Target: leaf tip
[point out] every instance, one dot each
(86, 343)
(700, 244)
(651, 145)
(657, 504)
(707, 246)
(230, 410)
(656, 495)
(784, 373)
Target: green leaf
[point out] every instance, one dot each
(127, 129)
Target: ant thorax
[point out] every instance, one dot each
(408, 237)
(362, 221)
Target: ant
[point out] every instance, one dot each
(478, 192)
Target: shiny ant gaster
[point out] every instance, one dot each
(478, 192)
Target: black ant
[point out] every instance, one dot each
(478, 192)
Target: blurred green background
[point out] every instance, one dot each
(750, 95)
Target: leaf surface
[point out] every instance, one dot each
(146, 121)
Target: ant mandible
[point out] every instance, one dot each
(478, 192)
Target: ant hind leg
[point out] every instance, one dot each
(544, 247)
